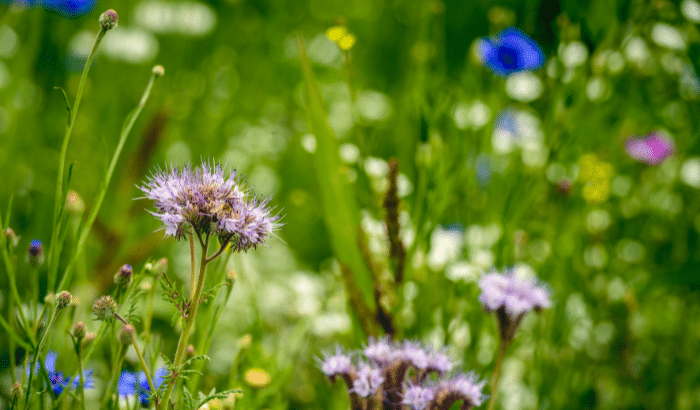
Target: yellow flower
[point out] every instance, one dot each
(256, 377)
(342, 37)
(596, 175)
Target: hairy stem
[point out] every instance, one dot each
(497, 373)
(189, 324)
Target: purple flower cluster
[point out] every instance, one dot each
(59, 382)
(511, 296)
(206, 200)
(398, 374)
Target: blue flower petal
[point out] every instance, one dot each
(510, 52)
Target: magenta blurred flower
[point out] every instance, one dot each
(651, 149)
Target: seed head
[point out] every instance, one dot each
(104, 308)
(126, 334)
(63, 299)
(79, 330)
(159, 70)
(109, 19)
(123, 277)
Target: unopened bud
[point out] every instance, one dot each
(89, 338)
(123, 277)
(12, 238)
(49, 299)
(16, 390)
(148, 267)
(190, 351)
(35, 253)
(109, 19)
(126, 334)
(231, 276)
(63, 299)
(79, 330)
(74, 203)
(104, 308)
(160, 267)
(158, 70)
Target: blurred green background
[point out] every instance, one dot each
(623, 262)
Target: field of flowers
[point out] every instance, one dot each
(366, 205)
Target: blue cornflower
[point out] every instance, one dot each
(69, 8)
(511, 51)
(58, 380)
(130, 385)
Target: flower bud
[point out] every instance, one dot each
(231, 277)
(74, 203)
(158, 70)
(126, 334)
(16, 390)
(79, 330)
(104, 308)
(148, 267)
(12, 238)
(49, 299)
(190, 351)
(89, 338)
(160, 267)
(35, 253)
(109, 19)
(63, 299)
(123, 277)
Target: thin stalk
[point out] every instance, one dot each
(193, 273)
(189, 324)
(497, 374)
(82, 381)
(37, 351)
(115, 373)
(64, 150)
(145, 368)
(110, 171)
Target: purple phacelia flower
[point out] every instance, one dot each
(210, 202)
(514, 293)
(414, 354)
(511, 51)
(368, 380)
(418, 397)
(463, 387)
(651, 149)
(380, 351)
(337, 365)
(439, 362)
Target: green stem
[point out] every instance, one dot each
(80, 373)
(110, 171)
(145, 367)
(62, 159)
(37, 352)
(189, 324)
(115, 372)
(497, 374)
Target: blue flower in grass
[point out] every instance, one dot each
(511, 51)
(131, 384)
(57, 379)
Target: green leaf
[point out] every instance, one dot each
(65, 100)
(340, 207)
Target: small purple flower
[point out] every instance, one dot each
(440, 363)
(369, 379)
(210, 203)
(129, 384)
(336, 365)
(415, 354)
(651, 149)
(380, 351)
(418, 397)
(515, 294)
(465, 387)
(511, 51)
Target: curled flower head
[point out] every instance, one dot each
(515, 293)
(463, 387)
(368, 380)
(209, 202)
(380, 351)
(418, 397)
(511, 51)
(336, 365)
(651, 149)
